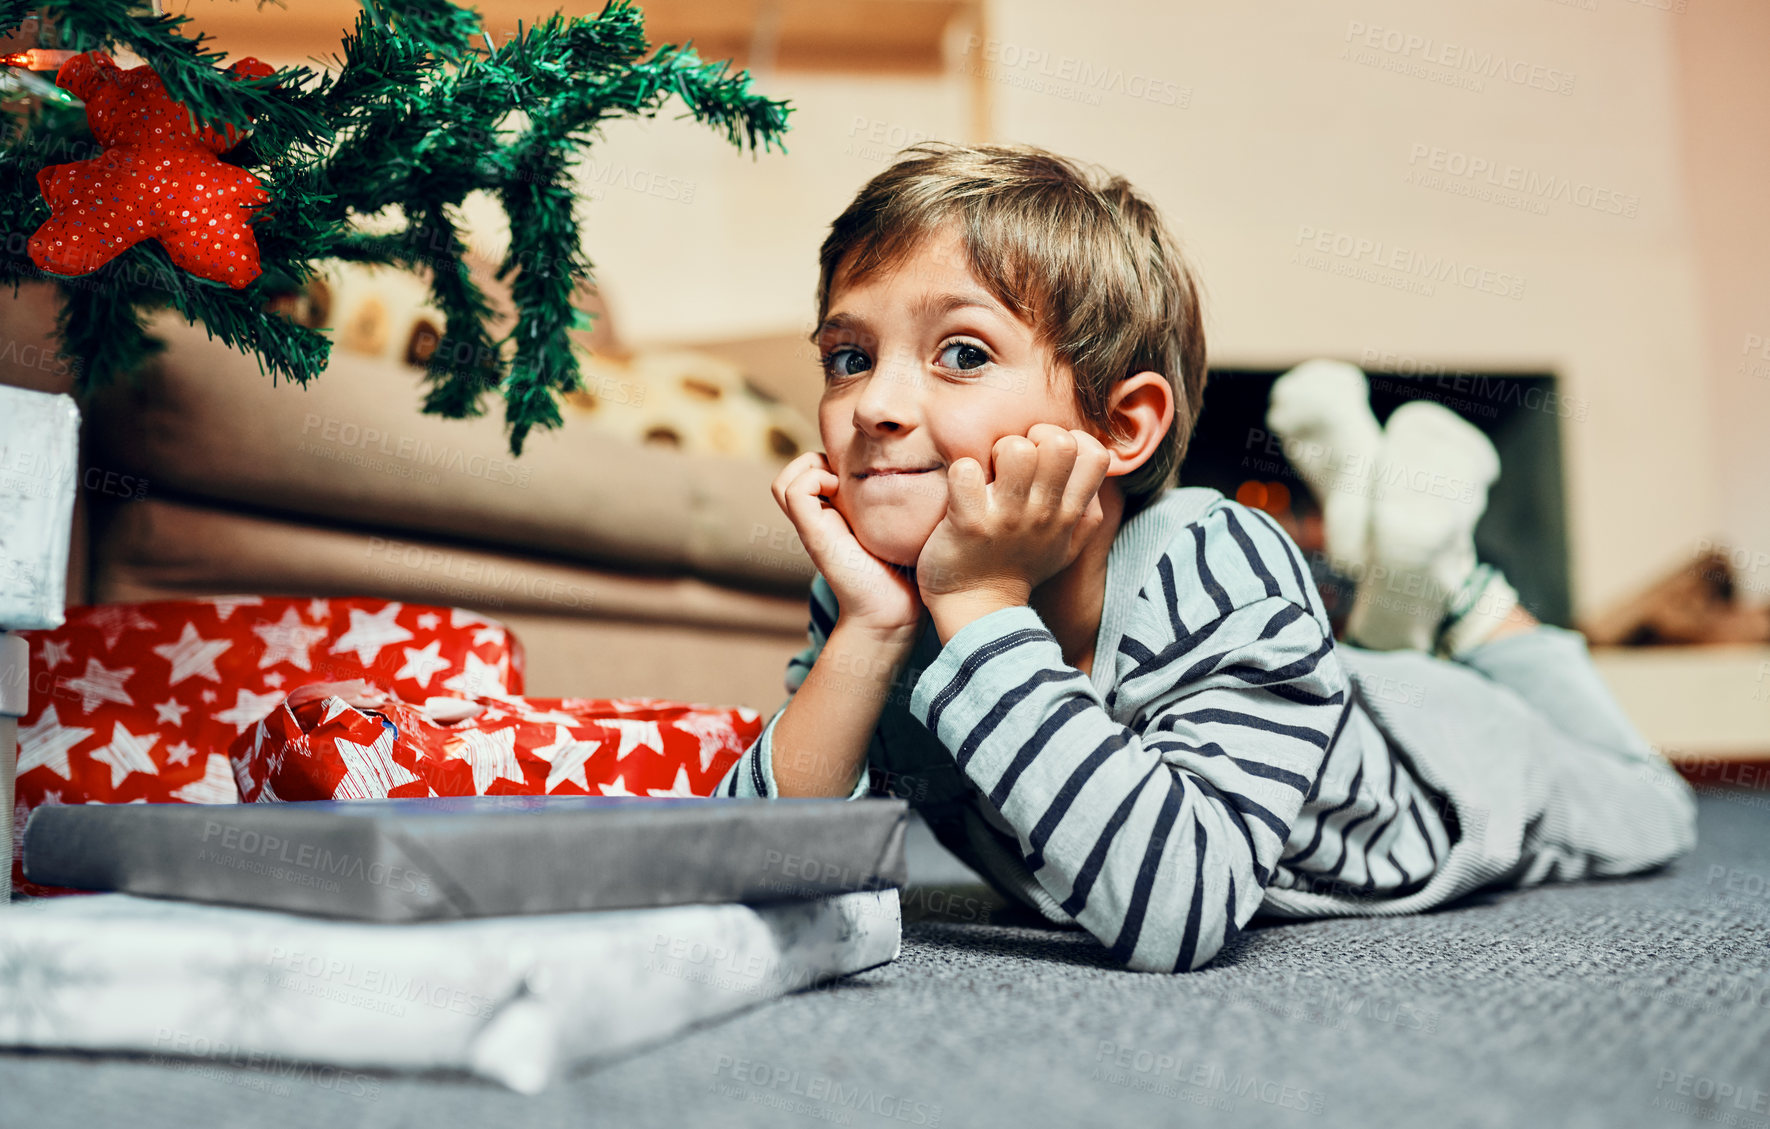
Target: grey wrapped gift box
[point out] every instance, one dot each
(473, 856)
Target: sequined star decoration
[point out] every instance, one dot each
(158, 178)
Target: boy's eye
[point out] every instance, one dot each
(964, 356)
(845, 362)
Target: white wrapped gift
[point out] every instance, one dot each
(519, 1000)
(39, 456)
(39, 460)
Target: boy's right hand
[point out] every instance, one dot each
(870, 593)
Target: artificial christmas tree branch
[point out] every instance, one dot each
(276, 105)
(422, 109)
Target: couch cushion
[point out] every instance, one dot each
(353, 447)
(585, 632)
(154, 547)
(620, 659)
(695, 401)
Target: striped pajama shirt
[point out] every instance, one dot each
(1217, 749)
(1225, 756)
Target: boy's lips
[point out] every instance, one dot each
(893, 472)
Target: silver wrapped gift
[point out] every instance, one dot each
(472, 856)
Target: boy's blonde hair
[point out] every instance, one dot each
(1086, 261)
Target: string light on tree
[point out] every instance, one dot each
(38, 58)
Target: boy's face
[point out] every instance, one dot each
(923, 367)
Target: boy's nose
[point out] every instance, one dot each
(887, 402)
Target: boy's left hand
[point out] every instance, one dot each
(1002, 538)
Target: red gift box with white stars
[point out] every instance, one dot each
(361, 743)
(138, 703)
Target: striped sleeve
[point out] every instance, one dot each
(1157, 837)
(753, 774)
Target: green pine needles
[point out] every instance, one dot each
(424, 108)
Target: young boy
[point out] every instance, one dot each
(1125, 706)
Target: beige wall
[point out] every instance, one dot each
(1725, 103)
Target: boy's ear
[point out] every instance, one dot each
(1141, 408)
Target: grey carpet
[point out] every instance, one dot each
(1635, 1002)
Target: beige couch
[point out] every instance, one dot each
(625, 568)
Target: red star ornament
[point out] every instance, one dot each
(156, 179)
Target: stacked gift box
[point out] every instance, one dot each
(334, 834)
(512, 937)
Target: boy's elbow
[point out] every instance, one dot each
(1164, 959)
(1202, 955)
(1167, 949)
(1182, 930)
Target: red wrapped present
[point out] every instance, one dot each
(134, 703)
(354, 741)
